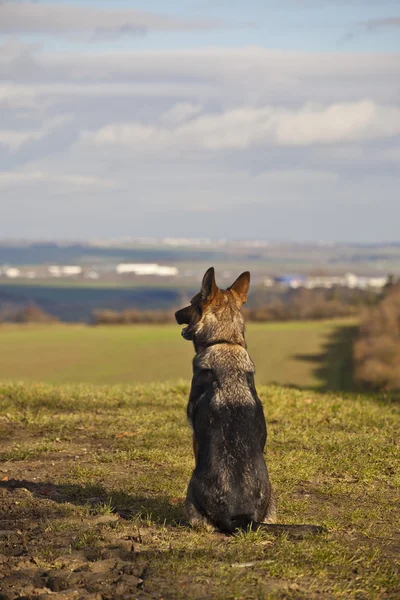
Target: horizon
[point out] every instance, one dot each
(188, 241)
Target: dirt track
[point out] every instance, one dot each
(112, 567)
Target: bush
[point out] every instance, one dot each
(303, 304)
(377, 349)
(32, 314)
(131, 316)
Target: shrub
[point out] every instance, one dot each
(32, 314)
(131, 316)
(377, 349)
(303, 304)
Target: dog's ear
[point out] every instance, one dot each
(241, 286)
(208, 286)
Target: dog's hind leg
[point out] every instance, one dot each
(193, 515)
(271, 514)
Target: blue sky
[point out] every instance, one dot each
(312, 25)
(222, 118)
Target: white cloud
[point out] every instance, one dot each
(243, 128)
(11, 178)
(343, 122)
(53, 18)
(180, 113)
(231, 77)
(49, 93)
(16, 96)
(14, 139)
(18, 59)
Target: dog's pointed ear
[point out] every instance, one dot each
(241, 286)
(208, 286)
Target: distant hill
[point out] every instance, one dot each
(37, 254)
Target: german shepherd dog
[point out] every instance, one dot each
(230, 487)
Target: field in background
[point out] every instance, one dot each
(304, 354)
(93, 481)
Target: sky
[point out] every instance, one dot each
(219, 118)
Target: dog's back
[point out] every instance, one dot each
(230, 484)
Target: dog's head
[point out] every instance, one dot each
(214, 314)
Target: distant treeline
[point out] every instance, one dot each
(295, 305)
(304, 305)
(132, 316)
(26, 314)
(377, 349)
(301, 304)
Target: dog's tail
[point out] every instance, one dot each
(245, 523)
(237, 522)
(293, 531)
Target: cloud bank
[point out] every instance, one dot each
(227, 142)
(48, 18)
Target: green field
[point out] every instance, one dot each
(316, 354)
(93, 479)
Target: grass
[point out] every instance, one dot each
(88, 471)
(305, 354)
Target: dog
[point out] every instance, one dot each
(230, 488)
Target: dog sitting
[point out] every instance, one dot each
(230, 487)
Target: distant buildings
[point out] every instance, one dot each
(93, 273)
(66, 271)
(292, 281)
(146, 269)
(111, 272)
(349, 280)
(12, 272)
